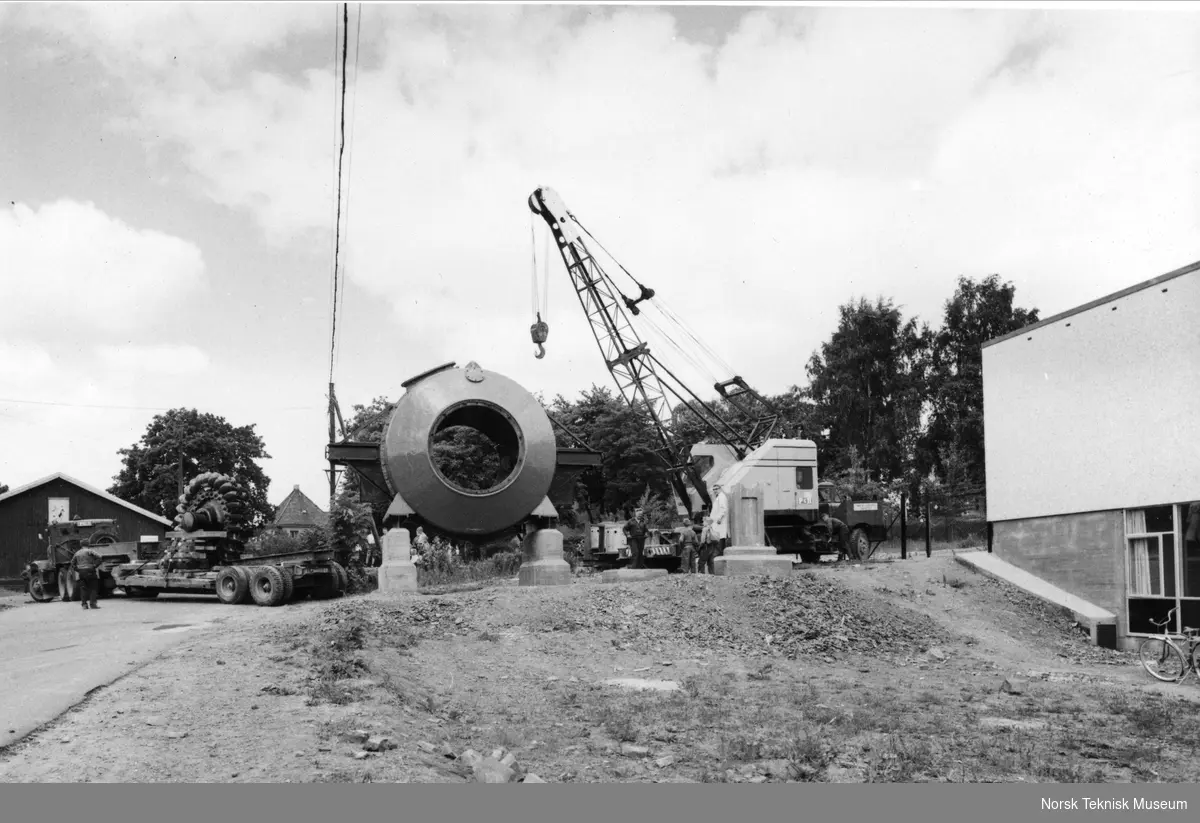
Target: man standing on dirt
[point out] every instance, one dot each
(635, 532)
(839, 533)
(708, 547)
(85, 563)
(687, 547)
(720, 518)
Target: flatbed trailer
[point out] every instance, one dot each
(267, 580)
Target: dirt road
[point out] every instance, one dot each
(53, 654)
(892, 672)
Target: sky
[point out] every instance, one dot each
(168, 176)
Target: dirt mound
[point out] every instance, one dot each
(795, 617)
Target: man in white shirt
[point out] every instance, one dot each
(720, 518)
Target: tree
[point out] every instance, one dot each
(197, 442)
(3, 488)
(349, 521)
(978, 312)
(867, 385)
(628, 442)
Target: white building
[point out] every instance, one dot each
(1092, 437)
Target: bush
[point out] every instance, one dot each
(440, 569)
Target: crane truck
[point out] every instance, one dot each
(739, 447)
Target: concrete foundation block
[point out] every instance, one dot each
(397, 574)
(750, 560)
(543, 563)
(631, 575)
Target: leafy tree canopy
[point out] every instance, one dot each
(201, 442)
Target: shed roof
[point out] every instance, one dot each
(111, 498)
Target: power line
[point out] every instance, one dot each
(136, 408)
(338, 216)
(341, 300)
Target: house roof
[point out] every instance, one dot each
(1153, 281)
(112, 499)
(298, 511)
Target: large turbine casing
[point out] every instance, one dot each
(496, 406)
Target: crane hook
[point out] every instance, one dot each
(539, 331)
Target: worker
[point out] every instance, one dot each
(839, 532)
(720, 518)
(635, 532)
(687, 547)
(708, 547)
(85, 563)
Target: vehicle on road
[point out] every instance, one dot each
(52, 577)
(206, 555)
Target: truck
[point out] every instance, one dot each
(739, 443)
(205, 554)
(51, 577)
(608, 548)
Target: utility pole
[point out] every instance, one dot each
(180, 450)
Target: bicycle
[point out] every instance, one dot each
(1163, 658)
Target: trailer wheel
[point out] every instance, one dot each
(289, 585)
(232, 586)
(246, 573)
(267, 586)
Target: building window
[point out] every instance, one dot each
(1162, 568)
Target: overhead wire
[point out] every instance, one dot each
(341, 300)
(340, 158)
(333, 173)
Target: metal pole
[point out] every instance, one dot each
(928, 529)
(180, 472)
(903, 526)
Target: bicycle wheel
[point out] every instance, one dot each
(1161, 659)
(1196, 659)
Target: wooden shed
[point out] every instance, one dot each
(27, 510)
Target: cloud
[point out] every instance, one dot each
(22, 363)
(70, 265)
(154, 359)
(811, 156)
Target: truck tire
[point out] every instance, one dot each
(232, 586)
(860, 544)
(289, 585)
(267, 586)
(37, 589)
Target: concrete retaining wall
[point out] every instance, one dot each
(1080, 553)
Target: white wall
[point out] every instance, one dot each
(1099, 410)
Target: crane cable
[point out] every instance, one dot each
(669, 316)
(540, 330)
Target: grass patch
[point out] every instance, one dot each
(453, 575)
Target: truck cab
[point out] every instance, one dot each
(864, 517)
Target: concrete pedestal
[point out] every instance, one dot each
(542, 563)
(743, 560)
(397, 574)
(631, 575)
